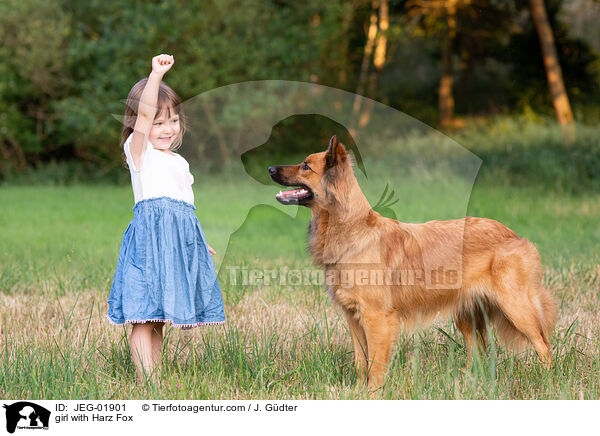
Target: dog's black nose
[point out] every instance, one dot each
(272, 170)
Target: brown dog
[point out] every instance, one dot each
(386, 274)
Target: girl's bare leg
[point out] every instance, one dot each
(141, 349)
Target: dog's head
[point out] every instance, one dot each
(322, 179)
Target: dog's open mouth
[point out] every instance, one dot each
(300, 195)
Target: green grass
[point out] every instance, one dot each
(59, 246)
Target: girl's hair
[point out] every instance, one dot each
(167, 99)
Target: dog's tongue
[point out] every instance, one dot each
(292, 193)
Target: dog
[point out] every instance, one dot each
(493, 277)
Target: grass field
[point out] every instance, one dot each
(58, 250)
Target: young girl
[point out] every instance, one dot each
(165, 272)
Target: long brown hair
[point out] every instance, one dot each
(167, 99)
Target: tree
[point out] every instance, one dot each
(375, 52)
(560, 99)
(441, 14)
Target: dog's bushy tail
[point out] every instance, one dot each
(509, 336)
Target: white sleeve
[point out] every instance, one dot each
(126, 148)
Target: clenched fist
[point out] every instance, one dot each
(162, 63)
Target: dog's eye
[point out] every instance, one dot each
(305, 166)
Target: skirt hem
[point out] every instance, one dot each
(185, 326)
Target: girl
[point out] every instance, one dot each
(165, 271)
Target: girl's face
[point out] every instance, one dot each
(165, 129)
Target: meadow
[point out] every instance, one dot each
(59, 247)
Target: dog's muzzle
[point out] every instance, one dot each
(301, 195)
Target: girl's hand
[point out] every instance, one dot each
(211, 250)
(162, 63)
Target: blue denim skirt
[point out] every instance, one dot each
(165, 271)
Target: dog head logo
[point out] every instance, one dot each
(26, 415)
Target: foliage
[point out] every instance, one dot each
(68, 65)
(97, 50)
(518, 152)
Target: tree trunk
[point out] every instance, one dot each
(445, 96)
(560, 99)
(378, 61)
(376, 37)
(364, 68)
(466, 68)
(345, 46)
(381, 47)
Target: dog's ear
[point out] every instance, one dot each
(336, 153)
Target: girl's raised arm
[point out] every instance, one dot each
(147, 107)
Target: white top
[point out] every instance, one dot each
(161, 175)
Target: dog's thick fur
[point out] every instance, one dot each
(499, 281)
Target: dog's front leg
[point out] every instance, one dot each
(381, 331)
(359, 342)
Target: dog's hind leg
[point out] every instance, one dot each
(359, 342)
(472, 326)
(464, 323)
(381, 331)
